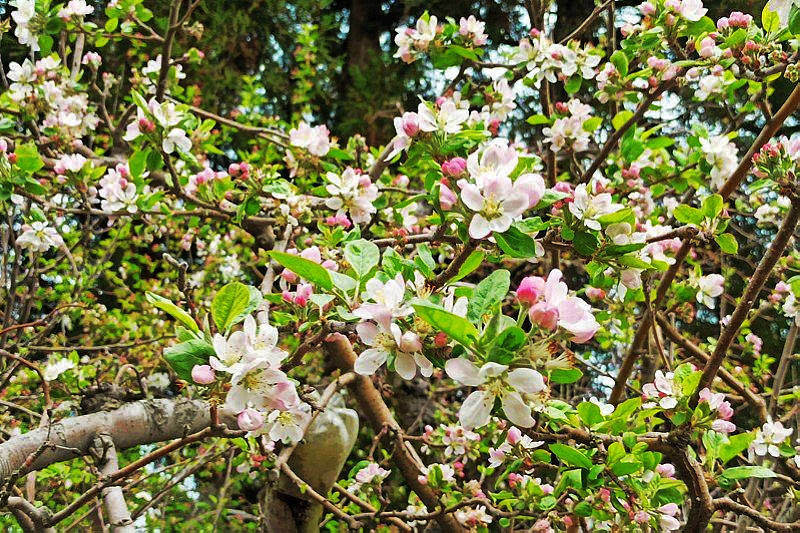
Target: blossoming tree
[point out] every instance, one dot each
(239, 323)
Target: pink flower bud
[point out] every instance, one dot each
(670, 509)
(250, 420)
(447, 198)
(666, 470)
(530, 289)
(641, 517)
(514, 436)
(234, 169)
(203, 374)
(454, 167)
(595, 294)
(410, 124)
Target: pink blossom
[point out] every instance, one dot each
(595, 294)
(641, 517)
(203, 374)
(250, 420)
(530, 289)
(559, 309)
(447, 198)
(454, 167)
(666, 470)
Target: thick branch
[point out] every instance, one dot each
(119, 517)
(143, 422)
(339, 350)
(757, 281)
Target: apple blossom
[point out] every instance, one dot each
(496, 382)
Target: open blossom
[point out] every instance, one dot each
(717, 402)
(26, 10)
(386, 301)
(260, 386)
(662, 390)
(473, 29)
(496, 202)
(496, 159)
(447, 118)
(75, 8)
(458, 440)
(39, 237)
(314, 139)
(353, 193)
(555, 307)
(372, 472)
(568, 132)
(176, 138)
(53, 369)
(69, 163)
(709, 287)
(496, 381)
(286, 424)
(411, 41)
(768, 439)
(692, 10)
(473, 516)
(722, 155)
(589, 208)
(383, 342)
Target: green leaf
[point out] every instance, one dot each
(565, 375)
(184, 356)
(231, 304)
(590, 414)
(306, 269)
(170, 308)
(712, 205)
(338, 153)
(535, 120)
(592, 124)
(474, 260)
(488, 292)
(453, 325)
(620, 61)
(621, 118)
(362, 255)
(736, 444)
(585, 243)
(794, 20)
(507, 345)
(515, 243)
(573, 84)
(727, 243)
(688, 215)
(28, 158)
(570, 456)
(770, 20)
(627, 465)
(138, 162)
(742, 472)
(45, 44)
